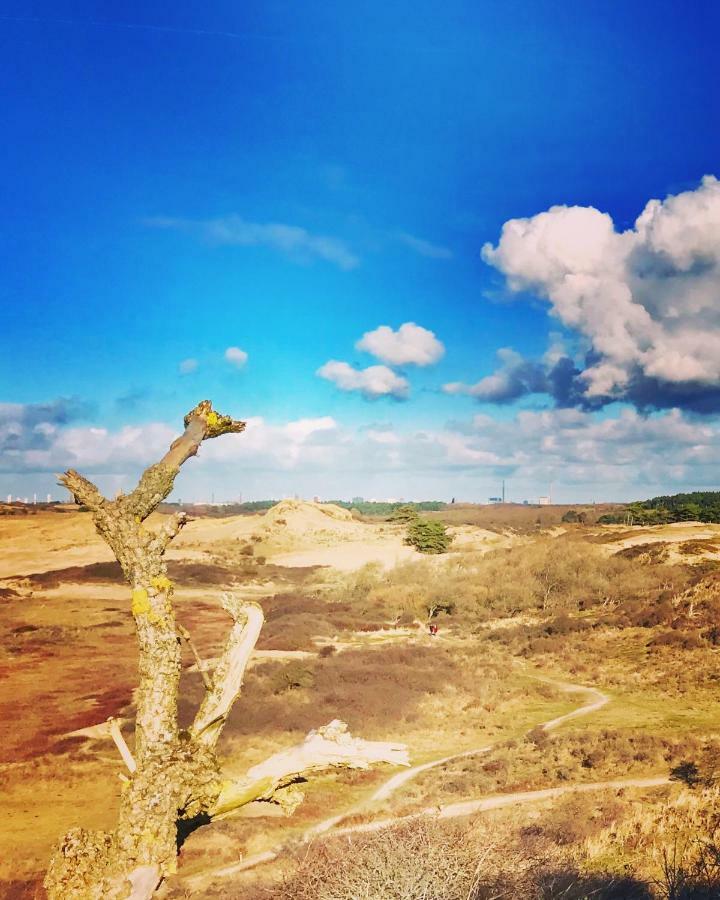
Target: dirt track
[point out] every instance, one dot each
(597, 699)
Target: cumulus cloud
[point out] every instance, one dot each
(646, 299)
(373, 382)
(187, 366)
(236, 357)
(516, 377)
(292, 241)
(411, 344)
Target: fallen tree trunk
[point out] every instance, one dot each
(175, 778)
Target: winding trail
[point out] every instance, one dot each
(596, 699)
(497, 801)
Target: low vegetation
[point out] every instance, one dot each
(605, 847)
(640, 625)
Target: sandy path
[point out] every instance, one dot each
(449, 811)
(596, 700)
(468, 807)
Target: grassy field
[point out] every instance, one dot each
(512, 620)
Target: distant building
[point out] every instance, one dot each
(495, 499)
(544, 501)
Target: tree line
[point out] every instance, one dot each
(697, 506)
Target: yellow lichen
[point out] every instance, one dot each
(162, 584)
(212, 419)
(140, 602)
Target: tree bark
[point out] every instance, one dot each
(175, 778)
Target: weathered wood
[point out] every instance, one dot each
(229, 672)
(331, 746)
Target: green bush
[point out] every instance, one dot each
(687, 772)
(291, 676)
(427, 536)
(572, 516)
(406, 513)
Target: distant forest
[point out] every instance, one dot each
(698, 506)
(371, 508)
(364, 507)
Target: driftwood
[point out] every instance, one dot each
(175, 778)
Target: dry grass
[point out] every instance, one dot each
(540, 760)
(517, 516)
(428, 860)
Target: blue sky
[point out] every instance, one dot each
(284, 178)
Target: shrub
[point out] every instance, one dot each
(414, 860)
(428, 537)
(427, 860)
(687, 772)
(572, 515)
(292, 676)
(406, 513)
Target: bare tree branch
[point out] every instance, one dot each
(185, 635)
(167, 532)
(230, 670)
(201, 423)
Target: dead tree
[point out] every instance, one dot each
(175, 777)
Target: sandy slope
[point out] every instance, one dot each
(294, 533)
(674, 535)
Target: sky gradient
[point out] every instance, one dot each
(410, 243)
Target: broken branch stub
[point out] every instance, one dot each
(228, 675)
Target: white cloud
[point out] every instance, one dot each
(620, 457)
(648, 299)
(266, 446)
(423, 247)
(373, 382)
(411, 344)
(296, 243)
(187, 366)
(236, 357)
